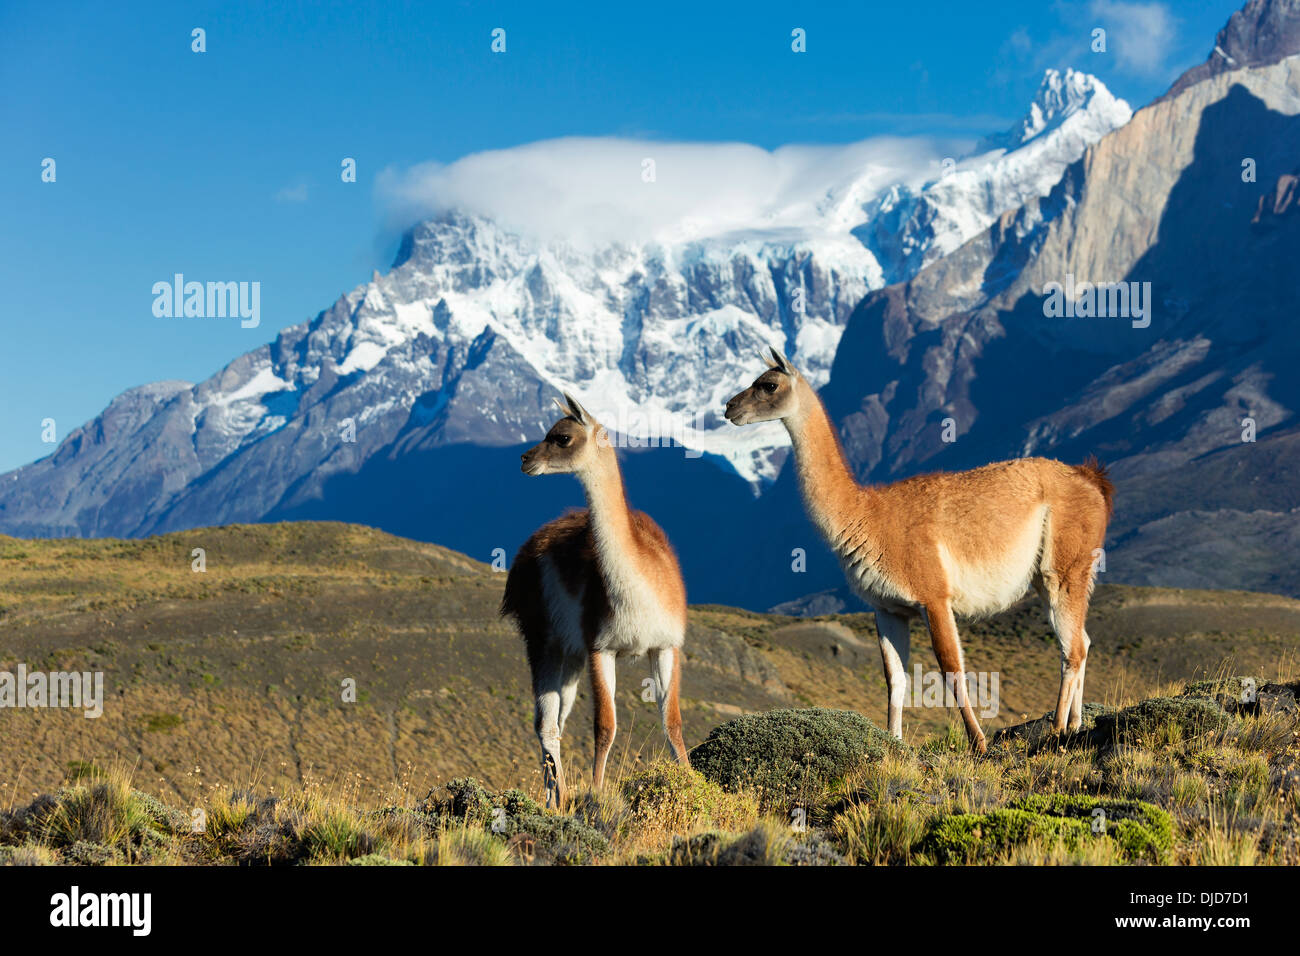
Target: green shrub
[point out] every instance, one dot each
(1138, 831)
(788, 755)
(92, 854)
(553, 838)
(161, 723)
(466, 800)
(981, 837)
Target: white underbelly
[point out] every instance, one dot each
(636, 622)
(975, 588)
(635, 628)
(1001, 579)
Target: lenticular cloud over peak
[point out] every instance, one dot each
(611, 190)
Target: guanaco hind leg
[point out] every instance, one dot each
(895, 649)
(666, 665)
(555, 685)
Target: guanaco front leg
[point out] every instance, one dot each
(602, 697)
(947, 648)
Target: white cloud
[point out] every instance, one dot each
(1141, 39)
(1140, 35)
(593, 188)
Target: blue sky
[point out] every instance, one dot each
(225, 164)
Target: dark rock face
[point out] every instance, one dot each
(1249, 695)
(1195, 406)
(1260, 33)
(1281, 201)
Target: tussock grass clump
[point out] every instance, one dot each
(881, 834)
(667, 799)
(767, 844)
(789, 757)
(27, 854)
(952, 739)
(514, 817)
(314, 827)
(1163, 721)
(338, 834)
(1266, 732)
(464, 846)
(245, 828)
(99, 822)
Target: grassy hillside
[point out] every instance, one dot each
(232, 677)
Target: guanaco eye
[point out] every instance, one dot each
(563, 440)
(769, 387)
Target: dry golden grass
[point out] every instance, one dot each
(224, 693)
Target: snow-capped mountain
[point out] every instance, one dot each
(477, 325)
(907, 229)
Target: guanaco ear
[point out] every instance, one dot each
(577, 410)
(564, 409)
(779, 362)
(767, 359)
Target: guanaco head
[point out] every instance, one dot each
(772, 396)
(570, 446)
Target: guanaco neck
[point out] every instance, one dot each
(611, 522)
(832, 496)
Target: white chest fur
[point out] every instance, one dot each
(636, 620)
